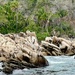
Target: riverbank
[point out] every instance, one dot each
(19, 51)
(22, 50)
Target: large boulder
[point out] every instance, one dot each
(58, 46)
(20, 50)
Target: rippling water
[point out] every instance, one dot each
(58, 65)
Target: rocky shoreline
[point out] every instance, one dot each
(22, 50)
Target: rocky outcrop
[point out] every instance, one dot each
(58, 46)
(21, 50)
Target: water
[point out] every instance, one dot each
(58, 65)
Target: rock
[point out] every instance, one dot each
(22, 34)
(8, 70)
(58, 46)
(49, 45)
(30, 33)
(40, 61)
(48, 39)
(2, 59)
(21, 50)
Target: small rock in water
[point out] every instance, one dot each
(7, 70)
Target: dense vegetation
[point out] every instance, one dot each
(40, 19)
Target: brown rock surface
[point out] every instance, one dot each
(58, 46)
(19, 51)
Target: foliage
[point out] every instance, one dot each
(42, 35)
(41, 16)
(32, 26)
(64, 29)
(62, 13)
(13, 21)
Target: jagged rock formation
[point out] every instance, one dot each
(20, 51)
(58, 46)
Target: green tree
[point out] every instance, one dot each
(12, 20)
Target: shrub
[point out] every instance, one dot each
(62, 13)
(43, 22)
(42, 35)
(13, 21)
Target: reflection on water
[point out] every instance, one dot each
(58, 65)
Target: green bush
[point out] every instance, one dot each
(64, 28)
(11, 19)
(42, 35)
(62, 13)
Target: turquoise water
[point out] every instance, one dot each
(58, 65)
